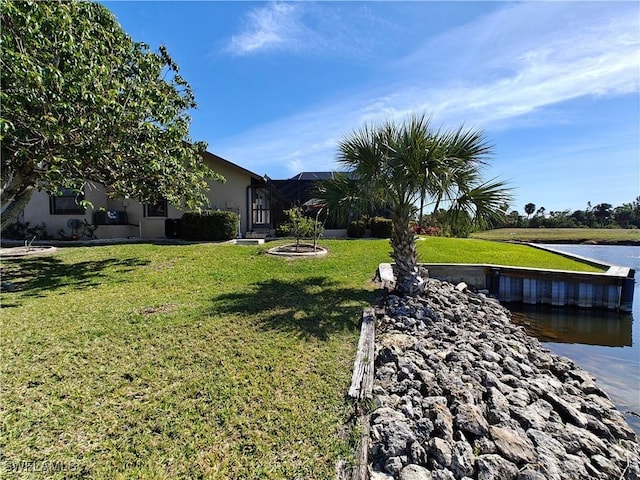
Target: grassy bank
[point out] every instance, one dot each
(192, 361)
(605, 236)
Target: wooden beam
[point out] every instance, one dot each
(362, 378)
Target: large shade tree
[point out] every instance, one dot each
(398, 165)
(81, 101)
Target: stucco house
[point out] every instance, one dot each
(244, 192)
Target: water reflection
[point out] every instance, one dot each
(602, 342)
(562, 325)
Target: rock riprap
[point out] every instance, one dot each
(462, 393)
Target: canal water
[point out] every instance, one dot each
(607, 344)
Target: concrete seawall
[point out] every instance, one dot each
(611, 290)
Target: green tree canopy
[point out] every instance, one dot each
(81, 101)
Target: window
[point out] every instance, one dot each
(67, 203)
(158, 209)
(260, 207)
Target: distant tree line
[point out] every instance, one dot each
(602, 215)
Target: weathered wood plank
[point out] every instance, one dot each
(362, 378)
(361, 469)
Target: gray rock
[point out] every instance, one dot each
(513, 445)
(462, 459)
(573, 466)
(528, 418)
(491, 356)
(518, 397)
(442, 421)
(494, 467)
(415, 472)
(545, 442)
(442, 475)
(470, 418)
(529, 473)
(440, 451)
(619, 428)
(386, 415)
(541, 385)
(384, 401)
(548, 465)
(393, 465)
(589, 443)
(391, 430)
(606, 466)
(498, 406)
(417, 454)
(511, 366)
(375, 475)
(567, 411)
(484, 445)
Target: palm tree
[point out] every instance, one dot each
(529, 208)
(397, 165)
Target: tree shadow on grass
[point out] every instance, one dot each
(311, 307)
(35, 275)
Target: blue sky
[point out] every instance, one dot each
(554, 85)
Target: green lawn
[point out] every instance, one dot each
(198, 361)
(563, 235)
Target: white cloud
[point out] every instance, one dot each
(305, 28)
(528, 56)
(274, 26)
(508, 65)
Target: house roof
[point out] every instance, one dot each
(315, 176)
(216, 158)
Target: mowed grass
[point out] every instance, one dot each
(200, 361)
(563, 235)
(469, 250)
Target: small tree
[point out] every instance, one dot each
(302, 226)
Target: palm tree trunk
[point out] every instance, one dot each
(423, 194)
(403, 243)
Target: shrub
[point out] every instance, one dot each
(25, 231)
(419, 230)
(381, 227)
(211, 225)
(356, 229)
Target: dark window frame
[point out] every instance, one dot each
(60, 204)
(160, 209)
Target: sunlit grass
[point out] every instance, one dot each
(197, 361)
(562, 235)
(468, 250)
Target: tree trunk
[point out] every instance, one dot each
(15, 206)
(403, 242)
(421, 217)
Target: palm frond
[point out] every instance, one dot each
(482, 203)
